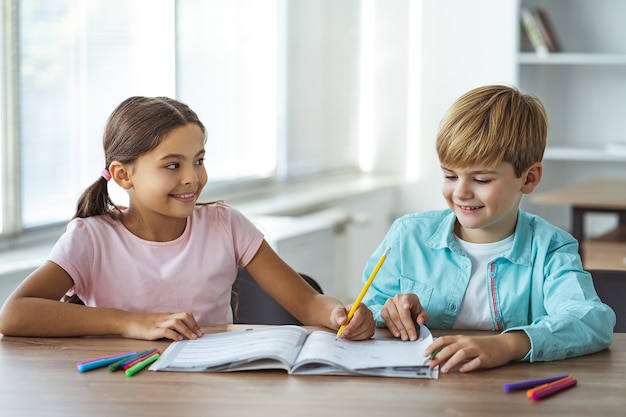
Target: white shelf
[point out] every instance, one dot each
(567, 58)
(581, 154)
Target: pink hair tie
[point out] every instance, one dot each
(105, 174)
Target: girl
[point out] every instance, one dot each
(164, 264)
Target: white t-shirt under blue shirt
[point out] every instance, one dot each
(474, 312)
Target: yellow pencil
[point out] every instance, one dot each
(363, 291)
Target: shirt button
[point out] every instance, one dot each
(453, 307)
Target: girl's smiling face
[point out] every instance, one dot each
(486, 200)
(166, 182)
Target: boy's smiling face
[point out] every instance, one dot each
(486, 200)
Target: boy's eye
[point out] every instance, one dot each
(450, 177)
(479, 181)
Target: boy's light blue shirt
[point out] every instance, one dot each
(539, 287)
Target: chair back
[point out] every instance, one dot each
(611, 288)
(252, 305)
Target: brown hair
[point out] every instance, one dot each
(490, 125)
(135, 127)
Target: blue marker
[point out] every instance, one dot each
(100, 362)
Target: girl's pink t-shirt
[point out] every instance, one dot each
(111, 267)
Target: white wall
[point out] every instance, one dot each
(461, 45)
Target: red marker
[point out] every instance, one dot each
(551, 388)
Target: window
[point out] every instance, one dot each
(227, 73)
(77, 61)
(275, 82)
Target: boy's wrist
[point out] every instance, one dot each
(517, 343)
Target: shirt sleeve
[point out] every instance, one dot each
(576, 321)
(387, 282)
(247, 238)
(74, 252)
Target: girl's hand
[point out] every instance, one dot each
(468, 353)
(401, 313)
(361, 326)
(153, 326)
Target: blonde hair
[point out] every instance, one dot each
(490, 125)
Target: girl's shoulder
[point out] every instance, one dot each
(92, 223)
(218, 213)
(215, 208)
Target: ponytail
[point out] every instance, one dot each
(95, 201)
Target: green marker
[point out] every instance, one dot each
(433, 354)
(139, 366)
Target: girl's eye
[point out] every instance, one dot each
(200, 161)
(172, 166)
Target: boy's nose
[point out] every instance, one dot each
(462, 190)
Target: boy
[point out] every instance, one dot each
(484, 263)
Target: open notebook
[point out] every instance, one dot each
(295, 350)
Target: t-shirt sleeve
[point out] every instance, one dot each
(74, 252)
(247, 238)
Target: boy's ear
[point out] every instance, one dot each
(120, 174)
(532, 177)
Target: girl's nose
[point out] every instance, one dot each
(190, 176)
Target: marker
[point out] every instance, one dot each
(116, 365)
(551, 388)
(100, 362)
(130, 361)
(432, 354)
(363, 291)
(139, 366)
(140, 358)
(531, 383)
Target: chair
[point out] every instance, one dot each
(252, 305)
(611, 288)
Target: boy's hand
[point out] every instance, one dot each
(153, 326)
(469, 353)
(401, 313)
(361, 326)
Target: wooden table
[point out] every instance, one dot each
(38, 377)
(604, 195)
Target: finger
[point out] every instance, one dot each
(408, 323)
(435, 351)
(400, 315)
(360, 326)
(165, 333)
(459, 358)
(356, 321)
(180, 327)
(422, 317)
(472, 365)
(387, 316)
(191, 323)
(338, 316)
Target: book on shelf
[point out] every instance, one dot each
(547, 29)
(540, 30)
(298, 351)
